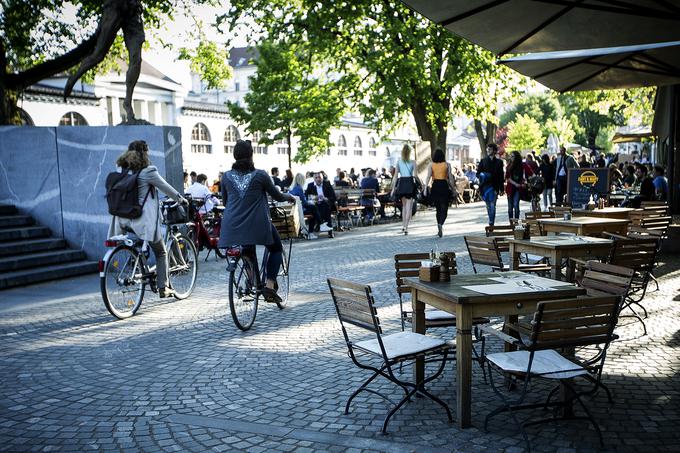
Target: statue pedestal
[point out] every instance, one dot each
(57, 174)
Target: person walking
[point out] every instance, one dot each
(515, 181)
(405, 187)
(562, 164)
(490, 176)
(442, 189)
(147, 226)
(547, 172)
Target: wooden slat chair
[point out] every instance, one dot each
(559, 210)
(367, 199)
(658, 224)
(408, 265)
(531, 219)
(355, 308)
(654, 204)
(485, 250)
(503, 233)
(639, 215)
(557, 325)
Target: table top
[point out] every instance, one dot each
(613, 210)
(578, 221)
(561, 242)
(515, 290)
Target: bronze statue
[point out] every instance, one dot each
(116, 15)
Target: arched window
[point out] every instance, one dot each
(357, 142)
(72, 119)
(342, 143)
(372, 143)
(230, 136)
(26, 119)
(200, 139)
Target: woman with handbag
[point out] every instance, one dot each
(515, 182)
(442, 187)
(405, 188)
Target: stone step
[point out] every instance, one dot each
(32, 232)
(35, 260)
(31, 246)
(7, 221)
(43, 273)
(6, 209)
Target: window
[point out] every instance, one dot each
(230, 136)
(200, 139)
(372, 143)
(257, 136)
(72, 119)
(342, 152)
(358, 152)
(357, 142)
(282, 150)
(328, 152)
(372, 152)
(260, 149)
(342, 143)
(237, 86)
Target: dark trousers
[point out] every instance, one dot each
(325, 211)
(275, 259)
(560, 189)
(315, 221)
(442, 211)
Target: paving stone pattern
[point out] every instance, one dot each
(179, 376)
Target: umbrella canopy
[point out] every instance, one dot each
(520, 26)
(609, 68)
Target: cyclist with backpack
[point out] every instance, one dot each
(132, 196)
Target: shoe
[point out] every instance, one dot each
(405, 232)
(166, 292)
(439, 230)
(324, 228)
(270, 295)
(312, 236)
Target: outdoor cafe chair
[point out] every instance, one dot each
(568, 325)
(486, 251)
(408, 265)
(356, 312)
(531, 219)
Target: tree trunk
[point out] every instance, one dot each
(436, 137)
(486, 133)
(289, 140)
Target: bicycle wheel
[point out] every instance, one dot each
(122, 284)
(182, 266)
(243, 295)
(283, 280)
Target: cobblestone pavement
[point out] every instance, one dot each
(179, 376)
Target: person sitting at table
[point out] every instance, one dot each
(342, 180)
(369, 182)
(325, 194)
(200, 192)
(308, 208)
(629, 176)
(647, 189)
(660, 183)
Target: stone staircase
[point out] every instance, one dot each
(29, 254)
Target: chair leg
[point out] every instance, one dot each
(396, 408)
(505, 408)
(438, 401)
(360, 389)
(590, 418)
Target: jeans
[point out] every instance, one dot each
(560, 189)
(513, 205)
(275, 259)
(491, 208)
(547, 197)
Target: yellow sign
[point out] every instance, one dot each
(588, 178)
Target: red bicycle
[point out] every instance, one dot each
(206, 228)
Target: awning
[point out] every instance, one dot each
(521, 26)
(633, 135)
(604, 68)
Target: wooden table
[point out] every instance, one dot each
(611, 213)
(585, 226)
(557, 248)
(466, 304)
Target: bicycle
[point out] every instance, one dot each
(246, 280)
(205, 229)
(125, 273)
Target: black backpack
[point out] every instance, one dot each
(122, 195)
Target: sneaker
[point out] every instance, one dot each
(312, 236)
(324, 228)
(166, 292)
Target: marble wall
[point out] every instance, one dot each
(78, 162)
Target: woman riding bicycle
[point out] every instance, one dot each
(148, 226)
(246, 219)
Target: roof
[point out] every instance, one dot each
(205, 107)
(242, 56)
(46, 93)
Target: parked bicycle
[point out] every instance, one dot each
(205, 230)
(125, 272)
(246, 279)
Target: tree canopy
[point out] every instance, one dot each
(524, 133)
(286, 99)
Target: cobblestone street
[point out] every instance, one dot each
(179, 376)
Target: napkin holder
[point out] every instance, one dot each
(428, 272)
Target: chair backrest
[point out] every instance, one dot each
(531, 219)
(354, 305)
(606, 279)
(483, 250)
(636, 254)
(659, 224)
(654, 204)
(559, 210)
(576, 322)
(502, 233)
(640, 215)
(368, 194)
(408, 265)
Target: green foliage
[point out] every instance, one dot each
(388, 60)
(209, 60)
(524, 134)
(604, 138)
(541, 107)
(561, 128)
(286, 99)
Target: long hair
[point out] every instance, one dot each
(406, 153)
(136, 157)
(515, 161)
(243, 155)
(298, 181)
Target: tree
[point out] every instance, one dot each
(209, 60)
(541, 107)
(524, 133)
(560, 128)
(37, 41)
(389, 60)
(286, 100)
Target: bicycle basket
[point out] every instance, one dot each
(174, 214)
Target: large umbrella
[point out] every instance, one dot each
(520, 26)
(593, 69)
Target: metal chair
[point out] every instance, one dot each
(354, 305)
(563, 324)
(486, 251)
